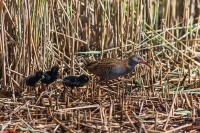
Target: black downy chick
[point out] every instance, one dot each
(32, 80)
(75, 81)
(51, 76)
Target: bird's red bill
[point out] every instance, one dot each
(143, 62)
(43, 88)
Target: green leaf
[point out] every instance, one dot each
(182, 111)
(138, 82)
(175, 88)
(90, 52)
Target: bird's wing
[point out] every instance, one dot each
(101, 67)
(47, 75)
(29, 78)
(86, 61)
(42, 79)
(57, 75)
(69, 79)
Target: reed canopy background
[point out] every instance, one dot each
(37, 34)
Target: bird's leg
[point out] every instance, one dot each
(56, 96)
(36, 91)
(106, 83)
(64, 91)
(47, 89)
(109, 86)
(72, 92)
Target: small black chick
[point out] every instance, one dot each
(32, 80)
(51, 76)
(75, 81)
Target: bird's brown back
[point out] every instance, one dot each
(102, 67)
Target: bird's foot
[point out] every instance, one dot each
(110, 86)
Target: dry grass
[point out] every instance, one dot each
(35, 35)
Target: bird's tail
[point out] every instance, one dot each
(86, 60)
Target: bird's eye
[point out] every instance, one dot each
(139, 59)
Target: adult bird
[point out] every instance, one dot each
(75, 81)
(110, 68)
(50, 76)
(32, 80)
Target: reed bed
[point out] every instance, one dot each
(35, 35)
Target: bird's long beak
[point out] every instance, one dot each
(143, 62)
